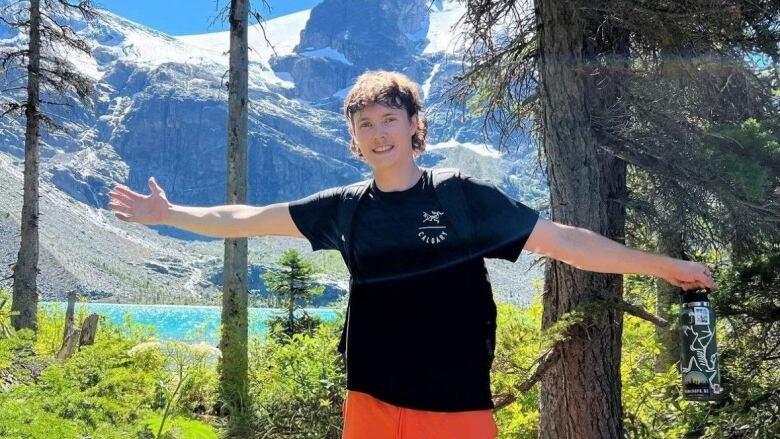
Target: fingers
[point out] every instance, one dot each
(704, 277)
(120, 198)
(685, 285)
(124, 190)
(156, 189)
(696, 284)
(707, 282)
(118, 207)
(691, 276)
(123, 217)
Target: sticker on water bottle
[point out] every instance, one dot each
(701, 315)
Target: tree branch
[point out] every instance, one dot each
(63, 34)
(640, 312)
(544, 362)
(12, 107)
(675, 171)
(260, 20)
(15, 24)
(61, 104)
(8, 57)
(548, 359)
(85, 7)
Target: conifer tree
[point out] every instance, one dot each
(613, 86)
(235, 325)
(233, 341)
(48, 79)
(295, 288)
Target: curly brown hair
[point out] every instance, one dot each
(391, 89)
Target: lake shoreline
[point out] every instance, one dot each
(170, 305)
(183, 322)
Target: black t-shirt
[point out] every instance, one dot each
(422, 319)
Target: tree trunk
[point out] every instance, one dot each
(88, 330)
(233, 342)
(25, 272)
(73, 337)
(291, 310)
(69, 313)
(670, 243)
(581, 392)
(69, 345)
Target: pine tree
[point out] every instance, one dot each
(50, 79)
(295, 288)
(234, 331)
(591, 77)
(234, 338)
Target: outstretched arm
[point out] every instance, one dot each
(226, 221)
(590, 251)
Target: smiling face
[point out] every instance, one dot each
(383, 111)
(383, 136)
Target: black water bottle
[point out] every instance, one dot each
(699, 350)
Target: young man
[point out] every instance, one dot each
(421, 322)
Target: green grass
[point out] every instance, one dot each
(183, 427)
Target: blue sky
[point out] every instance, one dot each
(184, 17)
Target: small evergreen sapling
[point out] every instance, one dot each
(295, 288)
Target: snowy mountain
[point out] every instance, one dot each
(161, 107)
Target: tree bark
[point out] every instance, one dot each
(69, 345)
(581, 392)
(88, 330)
(291, 305)
(25, 271)
(233, 342)
(69, 313)
(73, 338)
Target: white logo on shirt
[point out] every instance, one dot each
(433, 216)
(432, 234)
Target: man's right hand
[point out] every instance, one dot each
(133, 207)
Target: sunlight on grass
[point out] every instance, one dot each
(182, 427)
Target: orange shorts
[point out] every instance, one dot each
(366, 417)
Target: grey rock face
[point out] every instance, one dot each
(369, 34)
(316, 77)
(344, 38)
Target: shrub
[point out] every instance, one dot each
(297, 385)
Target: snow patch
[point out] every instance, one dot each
(285, 76)
(426, 87)
(328, 52)
(284, 33)
(442, 27)
(482, 149)
(82, 62)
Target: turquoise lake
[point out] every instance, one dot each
(183, 323)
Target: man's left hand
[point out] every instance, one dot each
(687, 275)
